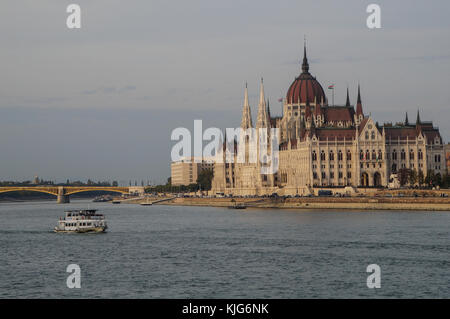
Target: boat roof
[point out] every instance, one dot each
(82, 211)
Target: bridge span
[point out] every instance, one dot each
(62, 193)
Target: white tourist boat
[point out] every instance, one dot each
(82, 221)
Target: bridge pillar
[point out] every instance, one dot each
(62, 198)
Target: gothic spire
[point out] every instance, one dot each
(246, 121)
(406, 119)
(418, 118)
(305, 64)
(261, 120)
(359, 95)
(347, 103)
(359, 110)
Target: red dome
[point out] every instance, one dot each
(305, 87)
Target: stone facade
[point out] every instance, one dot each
(323, 145)
(186, 170)
(447, 156)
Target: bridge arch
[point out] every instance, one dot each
(52, 191)
(122, 190)
(62, 192)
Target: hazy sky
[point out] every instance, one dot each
(101, 101)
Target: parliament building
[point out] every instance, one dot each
(322, 145)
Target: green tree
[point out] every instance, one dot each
(204, 179)
(445, 181)
(437, 179)
(420, 177)
(429, 179)
(403, 176)
(412, 177)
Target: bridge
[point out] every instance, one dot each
(62, 193)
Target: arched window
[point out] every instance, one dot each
(380, 155)
(373, 135)
(374, 155)
(367, 135)
(349, 156)
(361, 155)
(322, 156)
(314, 156)
(403, 155)
(411, 155)
(367, 155)
(331, 156)
(394, 156)
(340, 155)
(420, 154)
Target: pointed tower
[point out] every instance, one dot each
(406, 119)
(359, 111)
(418, 122)
(305, 64)
(347, 103)
(261, 120)
(246, 121)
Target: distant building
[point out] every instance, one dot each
(447, 156)
(186, 171)
(36, 180)
(324, 145)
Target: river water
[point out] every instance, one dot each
(203, 252)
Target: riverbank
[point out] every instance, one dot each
(350, 203)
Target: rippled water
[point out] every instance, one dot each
(202, 252)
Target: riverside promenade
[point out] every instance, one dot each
(421, 201)
(322, 203)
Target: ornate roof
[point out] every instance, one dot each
(338, 113)
(305, 88)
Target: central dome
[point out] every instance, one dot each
(305, 87)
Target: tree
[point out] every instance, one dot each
(413, 177)
(429, 179)
(437, 179)
(445, 181)
(420, 177)
(403, 176)
(205, 178)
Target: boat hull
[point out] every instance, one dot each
(82, 231)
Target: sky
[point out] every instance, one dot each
(100, 102)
